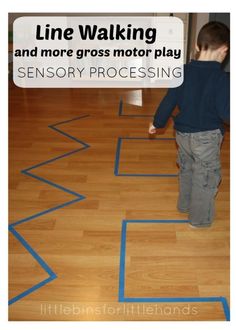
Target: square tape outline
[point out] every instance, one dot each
(117, 159)
(122, 114)
(122, 297)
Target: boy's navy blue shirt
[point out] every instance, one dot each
(203, 99)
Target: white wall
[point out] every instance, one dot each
(202, 18)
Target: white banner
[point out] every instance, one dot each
(98, 51)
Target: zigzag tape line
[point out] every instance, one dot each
(78, 197)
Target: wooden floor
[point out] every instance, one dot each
(81, 242)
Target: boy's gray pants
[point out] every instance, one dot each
(199, 175)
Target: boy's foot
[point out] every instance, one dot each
(183, 210)
(199, 226)
(194, 227)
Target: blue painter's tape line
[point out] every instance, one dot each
(34, 254)
(117, 159)
(80, 197)
(156, 221)
(55, 185)
(69, 136)
(146, 175)
(120, 107)
(122, 261)
(173, 300)
(39, 214)
(226, 308)
(122, 297)
(138, 116)
(30, 290)
(120, 112)
(52, 160)
(221, 300)
(68, 121)
(153, 139)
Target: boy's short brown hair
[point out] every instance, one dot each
(213, 35)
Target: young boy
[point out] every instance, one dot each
(203, 101)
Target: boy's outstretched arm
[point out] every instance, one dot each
(164, 110)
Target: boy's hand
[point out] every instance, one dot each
(152, 129)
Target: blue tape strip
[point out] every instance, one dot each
(145, 175)
(80, 197)
(117, 159)
(142, 138)
(69, 120)
(120, 112)
(122, 297)
(39, 214)
(51, 183)
(226, 308)
(30, 290)
(175, 299)
(69, 136)
(138, 116)
(34, 254)
(51, 160)
(122, 261)
(120, 106)
(156, 221)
